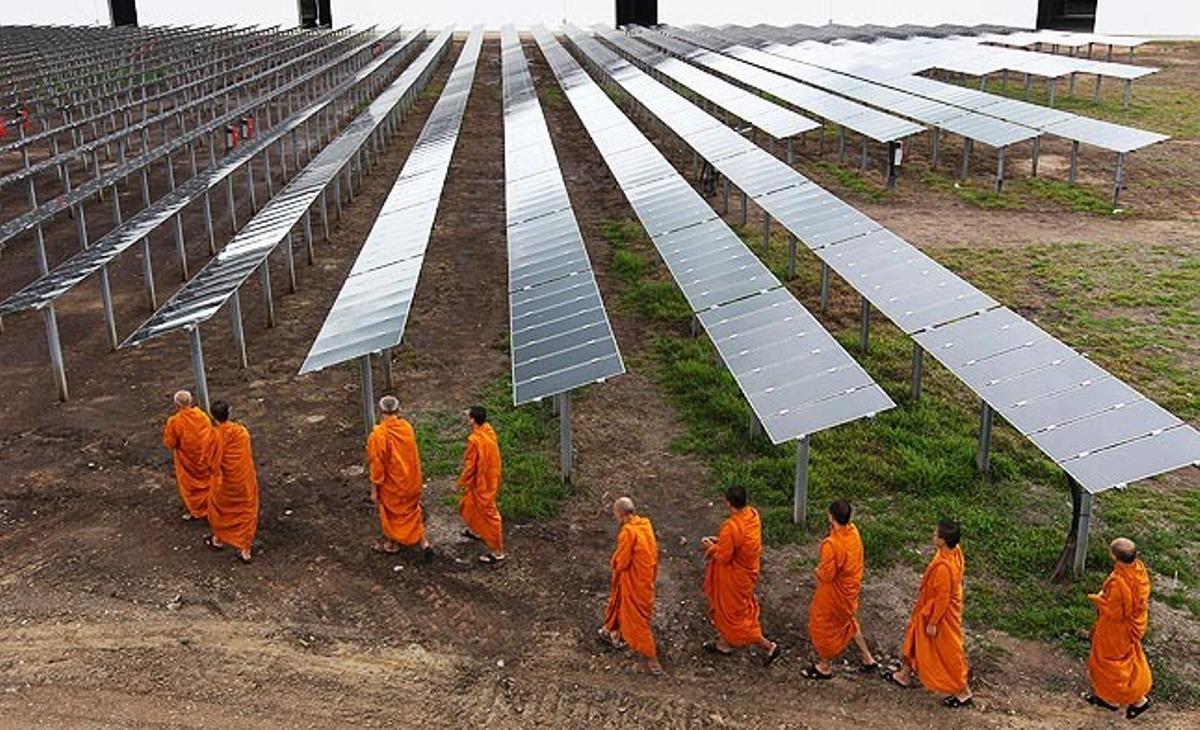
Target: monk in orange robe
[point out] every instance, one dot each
(1117, 664)
(480, 482)
(734, 557)
(189, 436)
(233, 500)
(631, 590)
(933, 641)
(832, 616)
(396, 482)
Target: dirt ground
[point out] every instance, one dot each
(114, 614)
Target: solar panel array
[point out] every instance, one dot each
(1030, 378)
(882, 75)
(561, 338)
(777, 121)
(66, 276)
(796, 377)
(371, 310)
(249, 249)
(870, 123)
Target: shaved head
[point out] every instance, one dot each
(183, 399)
(389, 404)
(624, 505)
(1124, 550)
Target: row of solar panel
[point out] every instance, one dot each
(213, 285)
(46, 289)
(1044, 388)
(797, 379)
(560, 335)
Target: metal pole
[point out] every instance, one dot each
(1081, 532)
(198, 366)
(725, 193)
(1128, 91)
(1000, 170)
(982, 460)
(791, 255)
(791, 153)
(239, 333)
(745, 207)
(863, 165)
(264, 273)
(766, 233)
(800, 492)
(865, 334)
(564, 435)
(368, 393)
(1096, 92)
(890, 174)
(966, 161)
(824, 288)
(1074, 161)
(1037, 149)
(1119, 179)
(935, 146)
(918, 366)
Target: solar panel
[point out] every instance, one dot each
(371, 310)
(752, 320)
(561, 338)
(70, 273)
(206, 292)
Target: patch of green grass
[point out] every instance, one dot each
(914, 464)
(970, 192)
(550, 96)
(853, 182)
(531, 489)
(1075, 197)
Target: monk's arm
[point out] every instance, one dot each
(470, 465)
(375, 458)
(170, 435)
(722, 550)
(622, 558)
(941, 588)
(827, 565)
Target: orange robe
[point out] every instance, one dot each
(1117, 665)
(831, 617)
(189, 436)
(396, 470)
(731, 577)
(480, 480)
(233, 500)
(631, 591)
(940, 661)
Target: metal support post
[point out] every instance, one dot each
(890, 168)
(239, 332)
(918, 367)
(1081, 532)
(368, 393)
(745, 207)
(841, 145)
(385, 355)
(725, 193)
(791, 271)
(824, 288)
(766, 233)
(1000, 170)
(1119, 178)
(982, 456)
(564, 435)
(862, 168)
(1128, 91)
(264, 273)
(935, 147)
(198, 366)
(791, 152)
(966, 159)
(800, 491)
(1074, 162)
(864, 334)
(1037, 150)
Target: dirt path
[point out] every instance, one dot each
(112, 614)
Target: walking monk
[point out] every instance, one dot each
(933, 641)
(631, 590)
(832, 622)
(396, 482)
(480, 482)
(1117, 665)
(189, 436)
(734, 557)
(233, 500)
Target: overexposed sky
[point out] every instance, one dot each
(524, 13)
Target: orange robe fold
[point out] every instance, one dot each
(480, 480)
(1117, 664)
(731, 577)
(396, 470)
(233, 500)
(831, 617)
(940, 662)
(631, 590)
(189, 436)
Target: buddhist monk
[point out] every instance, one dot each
(1117, 665)
(933, 641)
(734, 557)
(631, 590)
(832, 621)
(233, 500)
(396, 482)
(189, 436)
(480, 482)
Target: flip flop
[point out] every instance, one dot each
(489, 559)
(775, 653)
(1092, 699)
(811, 672)
(1133, 711)
(954, 703)
(609, 640)
(869, 668)
(211, 544)
(471, 535)
(712, 648)
(890, 676)
(427, 555)
(244, 561)
(379, 548)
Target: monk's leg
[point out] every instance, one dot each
(868, 660)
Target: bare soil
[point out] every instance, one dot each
(113, 613)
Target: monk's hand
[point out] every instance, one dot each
(374, 494)
(708, 541)
(931, 630)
